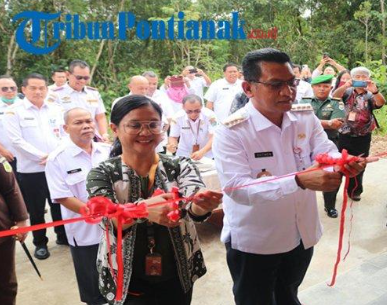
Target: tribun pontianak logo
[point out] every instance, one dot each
(41, 33)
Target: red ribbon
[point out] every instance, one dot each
(99, 207)
(325, 159)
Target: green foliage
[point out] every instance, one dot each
(306, 29)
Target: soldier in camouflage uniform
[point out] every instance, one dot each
(331, 113)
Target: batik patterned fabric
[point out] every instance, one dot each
(121, 184)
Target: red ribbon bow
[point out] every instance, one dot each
(100, 207)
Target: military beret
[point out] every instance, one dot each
(327, 78)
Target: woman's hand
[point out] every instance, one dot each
(205, 201)
(159, 213)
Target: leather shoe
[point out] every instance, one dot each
(355, 197)
(41, 253)
(62, 242)
(332, 213)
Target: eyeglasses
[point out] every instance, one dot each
(5, 89)
(135, 127)
(293, 83)
(197, 111)
(79, 77)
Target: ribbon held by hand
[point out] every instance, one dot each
(101, 207)
(325, 159)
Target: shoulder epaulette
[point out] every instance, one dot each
(236, 118)
(301, 107)
(336, 99)
(57, 89)
(91, 88)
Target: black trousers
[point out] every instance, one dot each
(167, 292)
(35, 192)
(330, 197)
(268, 279)
(85, 264)
(355, 146)
(8, 283)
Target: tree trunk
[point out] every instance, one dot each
(11, 54)
(383, 32)
(97, 59)
(366, 42)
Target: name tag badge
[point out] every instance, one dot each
(185, 127)
(29, 119)
(73, 171)
(352, 116)
(265, 154)
(226, 88)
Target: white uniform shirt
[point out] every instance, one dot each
(271, 217)
(34, 132)
(197, 85)
(164, 102)
(53, 87)
(304, 89)
(89, 98)
(187, 130)
(222, 93)
(4, 139)
(66, 172)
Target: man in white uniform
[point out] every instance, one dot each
(66, 171)
(138, 85)
(8, 97)
(198, 80)
(304, 89)
(77, 94)
(222, 92)
(59, 77)
(192, 129)
(270, 228)
(35, 129)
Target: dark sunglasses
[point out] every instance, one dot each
(5, 89)
(78, 77)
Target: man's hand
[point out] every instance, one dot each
(336, 123)
(21, 236)
(353, 169)
(7, 154)
(371, 86)
(197, 155)
(43, 160)
(106, 138)
(319, 180)
(206, 201)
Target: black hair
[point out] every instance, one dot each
(59, 70)
(192, 97)
(122, 108)
(78, 63)
(33, 76)
(230, 65)
(251, 64)
(338, 79)
(296, 66)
